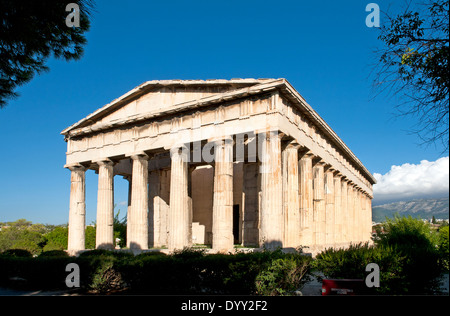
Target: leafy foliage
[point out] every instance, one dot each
(443, 247)
(185, 272)
(351, 263)
(21, 236)
(31, 32)
(406, 250)
(283, 276)
(56, 239)
(414, 65)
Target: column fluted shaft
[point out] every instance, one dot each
(222, 224)
(330, 217)
(77, 212)
(306, 198)
(179, 213)
(319, 204)
(291, 196)
(139, 204)
(271, 221)
(344, 208)
(337, 210)
(105, 206)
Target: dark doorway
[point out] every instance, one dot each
(236, 219)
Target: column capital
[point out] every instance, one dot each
(139, 156)
(291, 144)
(305, 153)
(75, 167)
(318, 162)
(329, 168)
(104, 162)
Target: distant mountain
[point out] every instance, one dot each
(423, 208)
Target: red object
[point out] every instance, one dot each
(343, 287)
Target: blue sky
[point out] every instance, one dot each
(323, 48)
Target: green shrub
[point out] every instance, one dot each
(184, 272)
(283, 276)
(414, 239)
(351, 263)
(54, 253)
(407, 232)
(17, 253)
(57, 239)
(406, 253)
(89, 240)
(443, 247)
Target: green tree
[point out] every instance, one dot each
(415, 241)
(20, 223)
(90, 237)
(21, 237)
(413, 64)
(57, 239)
(32, 31)
(443, 246)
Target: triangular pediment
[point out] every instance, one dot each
(161, 96)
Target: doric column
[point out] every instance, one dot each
(222, 222)
(179, 213)
(291, 195)
(361, 220)
(190, 204)
(344, 207)
(364, 218)
(319, 204)
(306, 198)
(105, 205)
(271, 220)
(369, 214)
(357, 211)
(77, 212)
(351, 212)
(138, 238)
(329, 207)
(338, 209)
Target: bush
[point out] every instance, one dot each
(192, 272)
(406, 253)
(443, 247)
(19, 237)
(22, 253)
(283, 276)
(351, 263)
(414, 240)
(406, 232)
(57, 239)
(54, 253)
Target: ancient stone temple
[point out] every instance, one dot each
(218, 162)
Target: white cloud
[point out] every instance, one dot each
(409, 181)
